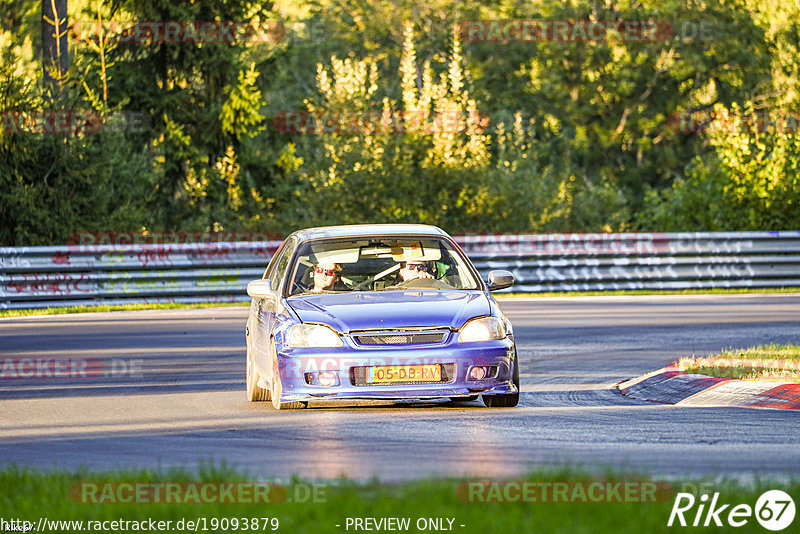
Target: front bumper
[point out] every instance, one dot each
(298, 366)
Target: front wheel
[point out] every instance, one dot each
(277, 387)
(506, 400)
(254, 392)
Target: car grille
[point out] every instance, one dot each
(358, 377)
(400, 338)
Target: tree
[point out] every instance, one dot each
(749, 181)
(55, 49)
(424, 156)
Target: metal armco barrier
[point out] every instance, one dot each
(37, 277)
(602, 262)
(85, 275)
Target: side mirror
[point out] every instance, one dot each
(500, 280)
(260, 289)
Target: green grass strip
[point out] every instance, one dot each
(319, 506)
(777, 363)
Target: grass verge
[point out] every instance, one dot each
(322, 507)
(775, 363)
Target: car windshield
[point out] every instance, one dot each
(379, 264)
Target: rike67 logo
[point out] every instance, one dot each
(774, 510)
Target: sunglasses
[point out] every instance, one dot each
(326, 272)
(415, 267)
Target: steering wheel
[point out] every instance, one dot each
(424, 283)
(372, 279)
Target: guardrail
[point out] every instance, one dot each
(86, 275)
(37, 277)
(647, 261)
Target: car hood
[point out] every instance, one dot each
(391, 309)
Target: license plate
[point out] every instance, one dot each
(404, 373)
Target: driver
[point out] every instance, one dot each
(327, 277)
(411, 270)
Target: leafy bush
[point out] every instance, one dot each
(750, 180)
(54, 184)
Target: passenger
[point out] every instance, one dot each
(327, 277)
(412, 270)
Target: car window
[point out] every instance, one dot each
(379, 264)
(280, 267)
(274, 261)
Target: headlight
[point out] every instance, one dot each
(313, 335)
(482, 329)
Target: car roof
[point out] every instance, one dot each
(360, 230)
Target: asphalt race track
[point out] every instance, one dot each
(174, 396)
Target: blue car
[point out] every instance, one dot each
(392, 311)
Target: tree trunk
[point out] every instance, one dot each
(55, 50)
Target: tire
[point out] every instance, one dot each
(506, 400)
(254, 392)
(277, 387)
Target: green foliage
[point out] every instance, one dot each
(625, 503)
(520, 136)
(749, 181)
(240, 113)
(430, 156)
(610, 99)
(595, 137)
(52, 185)
(205, 105)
